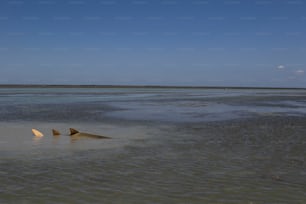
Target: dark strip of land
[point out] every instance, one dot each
(138, 86)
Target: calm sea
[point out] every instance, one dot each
(168, 145)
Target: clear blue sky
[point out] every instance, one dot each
(156, 42)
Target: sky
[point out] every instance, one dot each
(154, 42)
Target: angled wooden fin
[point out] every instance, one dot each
(73, 131)
(36, 133)
(55, 132)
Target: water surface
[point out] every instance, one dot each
(167, 146)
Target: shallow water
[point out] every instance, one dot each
(167, 146)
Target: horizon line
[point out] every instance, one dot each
(139, 86)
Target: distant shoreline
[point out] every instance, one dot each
(139, 86)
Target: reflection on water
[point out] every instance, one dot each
(159, 105)
(36, 139)
(55, 140)
(252, 150)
